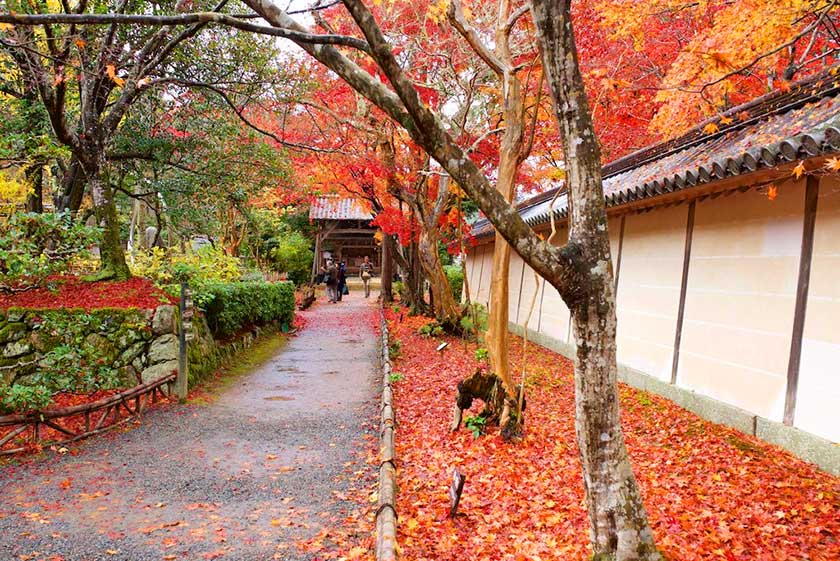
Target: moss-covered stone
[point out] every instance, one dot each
(12, 331)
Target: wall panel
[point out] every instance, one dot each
(740, 299)
(818, 398)
(649, 289)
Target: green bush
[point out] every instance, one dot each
(290, 253)
(34, 246)
(229, 307)
(455, 276)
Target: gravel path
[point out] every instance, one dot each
(277, 459)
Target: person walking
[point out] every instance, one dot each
(366, 272)
(331, 280)
(342, 279)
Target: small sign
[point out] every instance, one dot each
(455, 491)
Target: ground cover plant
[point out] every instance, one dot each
(712, 493)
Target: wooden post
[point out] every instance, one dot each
(455, 491)
(812, 187)
(183, 363)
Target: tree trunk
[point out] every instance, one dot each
(72, 187)
(447, 312)
(111, 254)
(386, 290)
(35, 177)
(619, 530)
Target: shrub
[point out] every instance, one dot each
(290, 253)
(233, 306)
(34, 246)
(455, 276)
(200, 268)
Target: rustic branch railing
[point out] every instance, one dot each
(98, 416)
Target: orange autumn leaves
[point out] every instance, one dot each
(712, 493)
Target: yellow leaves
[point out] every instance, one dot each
(799, 170)
(112, 74)
(726, 120)
(772, 192)
(437, 11)
(711, 128)
(13, 190)
(832, 164)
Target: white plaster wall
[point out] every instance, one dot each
(514, 281)
(530, 285)
(554, 318)
(649, 289)
(818, 396)
(740, 300)
(485, 265)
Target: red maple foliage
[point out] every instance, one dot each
(712, 493)
(74, 292)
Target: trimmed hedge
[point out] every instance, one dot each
(233, 306)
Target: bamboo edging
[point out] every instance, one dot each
(386, 513)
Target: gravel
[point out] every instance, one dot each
(269, 463)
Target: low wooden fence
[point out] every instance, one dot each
(80, 421)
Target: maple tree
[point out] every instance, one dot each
(581, 270)
(87, 78)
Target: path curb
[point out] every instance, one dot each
(386, 513)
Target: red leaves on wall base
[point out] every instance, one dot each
(73, 292)
(712, 493)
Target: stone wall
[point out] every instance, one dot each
(137, 346)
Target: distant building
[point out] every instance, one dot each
(726, 253)
(344, 232)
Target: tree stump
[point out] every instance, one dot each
(489, 388)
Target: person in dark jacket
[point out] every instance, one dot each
(342, 280)
(331, 280)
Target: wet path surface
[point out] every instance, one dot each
(267, 464)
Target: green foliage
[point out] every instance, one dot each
(455, 276)
(199, 268)
(398, 287)
(233, 306)
(432, 329)
(482, 354)
(476, 424)
(475, 321)
(34, 246)
(394, 349)
(82, 355)
(20, 398)
(395, 377)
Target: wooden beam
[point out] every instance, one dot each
(689, 232)
(620, 247)
(812, 191)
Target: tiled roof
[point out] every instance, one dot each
(338, 208)
(779, 128)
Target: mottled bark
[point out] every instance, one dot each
(619, 529)
(111, 254)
